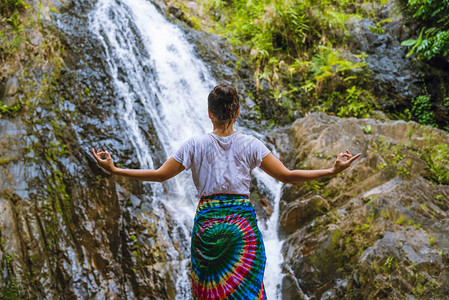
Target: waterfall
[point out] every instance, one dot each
(154, 68)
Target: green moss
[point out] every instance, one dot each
(10, 110)
(195, 22)
(440, 198)
(378, 28)
(19, 56)
(315, 185)
(6, 160)
(329, 258)
(10, 290)
(437, 158)
(400, 220)
(423, 285)
(399, 157)
(367, 129)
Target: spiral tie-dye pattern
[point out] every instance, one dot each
(228, 254)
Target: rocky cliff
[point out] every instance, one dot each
(377, 230)
(67, 229)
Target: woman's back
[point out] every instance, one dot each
(221, 164)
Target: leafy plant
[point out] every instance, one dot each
(413, 43)
(388, 262)
(433, 41)
(439, 163)
(328, 66)
(299, 43)
(422, 110)
(367, 129)
(354, 107)
(10, 110)
(378, 28)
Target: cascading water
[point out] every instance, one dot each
(153, 67)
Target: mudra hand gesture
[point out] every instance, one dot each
(340, 164)
(106, 163)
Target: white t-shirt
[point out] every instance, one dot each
(221, 164)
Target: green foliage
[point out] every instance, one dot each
(354, 107)
(438, 162)
(378, 28)
(314, 185)
(446, 102)
(9, 290)
(432, 240)
(433, 39)
(398, 158)
(11, 36)
(331, 257)
(282, 29)
(422, 110)
(331, 76)
(329, 64)
(367, 129)
(39, 67)
(299, 43)
(10, 6)
(10, 110)
(422, 285)
(388, 263)
(400, 220)
(440, 198)
(294, 22)
(6, 160)
(292, 27)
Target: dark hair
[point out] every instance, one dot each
(223, 102)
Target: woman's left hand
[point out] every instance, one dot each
(107, 163)
(341, 164)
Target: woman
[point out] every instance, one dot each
(228, 255)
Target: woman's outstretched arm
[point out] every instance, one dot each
(275, 168)
(168, 170)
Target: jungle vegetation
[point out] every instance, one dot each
(300, 48)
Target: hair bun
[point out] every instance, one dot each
(223, 102)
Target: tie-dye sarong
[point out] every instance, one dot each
(228, 254)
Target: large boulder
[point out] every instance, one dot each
(377, 230)
(299, 212)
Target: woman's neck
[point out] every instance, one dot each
(223, 130)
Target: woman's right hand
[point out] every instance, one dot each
(106, 163)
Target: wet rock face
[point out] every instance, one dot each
(398, 78)
(67, 229)
(393, 73)
(377, 230)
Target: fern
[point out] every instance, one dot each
(434, 41)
